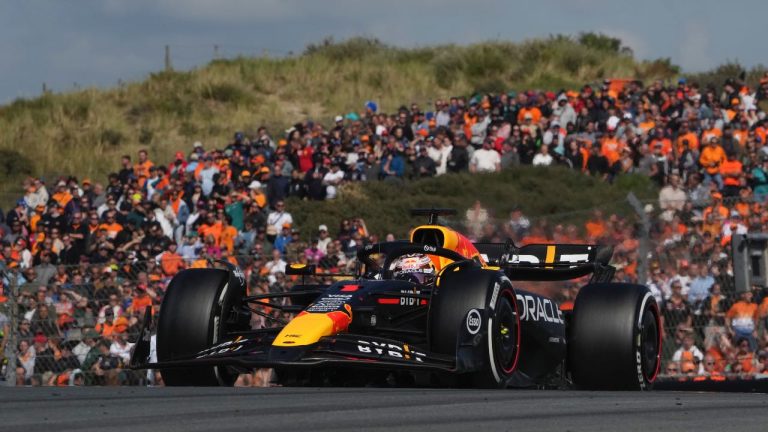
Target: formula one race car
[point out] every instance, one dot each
(434, 310)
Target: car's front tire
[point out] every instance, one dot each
(193, 318)
(463, 289)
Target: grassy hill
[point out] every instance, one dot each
(85, 132)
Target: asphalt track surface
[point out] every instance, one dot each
(344, 409)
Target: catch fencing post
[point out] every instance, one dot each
(11, 342)
(645, 232)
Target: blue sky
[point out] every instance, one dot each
(98, 42)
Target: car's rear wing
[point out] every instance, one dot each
(549, 261)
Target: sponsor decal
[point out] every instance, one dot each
(494, 296)
(223, 348)
(411, 301)
(574, 258)
(530, 259)
(330, 303)
(238, 272)
(539, 309)
(473, 321)
(384, 349)
(428, 248)
(549, 258)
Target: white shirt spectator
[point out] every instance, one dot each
(541, 159)
(695, 351)
(206, 179)
(485, 160)
(274, 267)
(443, 118)
(331, 180)
(123, 351)
(440, 156)
(278, 219)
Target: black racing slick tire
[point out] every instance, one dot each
(193, 318)
(489, 295)
(614, 338)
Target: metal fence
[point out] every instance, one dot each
(77, 328)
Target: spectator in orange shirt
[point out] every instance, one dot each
(141, 168)
(611, 147)
(170, 261)
(660, 139)
(686, 140)
(533, 110)
(62, 195)
(717, 208)
(712, 156)
(111, 226)
(596, 226)
(741, 319)
(732, 171)
(211, 227)
(228, 234)
(141, 299)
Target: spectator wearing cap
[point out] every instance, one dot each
(563, 111)
(44, 353)
(120, 346)
(283, 239)
(689, 356)
(717, 209)
(554, 137)
(323, 239)
(18, 213)
(479, 129)
(611, 147)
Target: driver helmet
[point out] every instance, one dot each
(414, 267)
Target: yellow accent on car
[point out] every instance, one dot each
(550, 258)
(304, 330)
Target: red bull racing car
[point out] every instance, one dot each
(436, 309)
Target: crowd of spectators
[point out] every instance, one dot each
(89, 257)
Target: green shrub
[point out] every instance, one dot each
(225, 93)
(14, 165)
(562, 195)
(112, 137)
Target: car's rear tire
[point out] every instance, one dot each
(615, 338)
(470, 288)
(193, 318)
